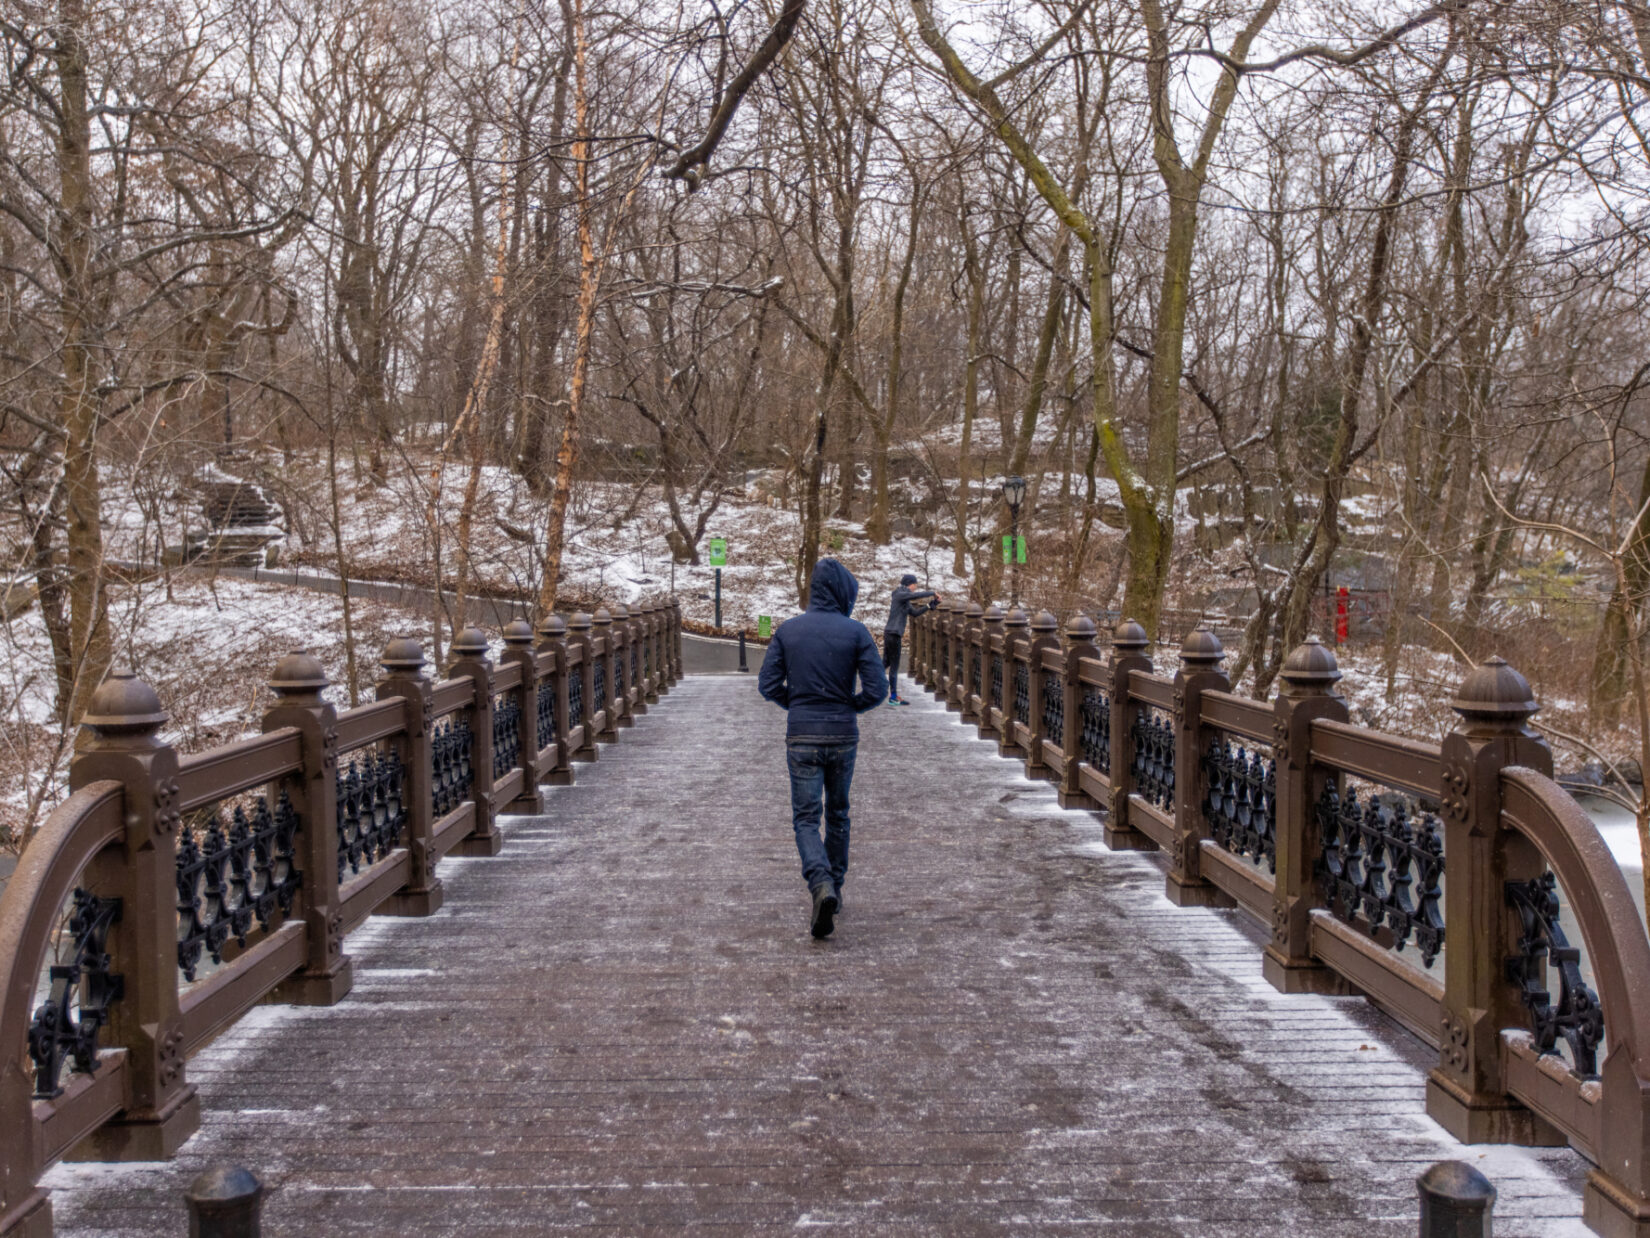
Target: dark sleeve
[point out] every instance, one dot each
(771, 681)
(917, 595)
(873, 680)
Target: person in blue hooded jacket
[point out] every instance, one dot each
(810, 672)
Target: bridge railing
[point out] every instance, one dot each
(170, 893)
(1433, 878)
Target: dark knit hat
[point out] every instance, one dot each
(910, 578)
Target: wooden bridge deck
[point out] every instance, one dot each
(620, 1024)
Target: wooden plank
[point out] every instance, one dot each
(1391, 760)
(1151, 820)
(366, 724)
(509, 786)
(1412, 997)
(1094, 784)
(454, 826)
(88, 1101)
(1250, 886)
(1545, 1084)
(1053, 658)
(451, 694)
(1093, 672)
(217, 1001)
(507, 676)
(206, 777)
(365, 892)
(1238, 715)
(1152, 689)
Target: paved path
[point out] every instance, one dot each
(620, 1025)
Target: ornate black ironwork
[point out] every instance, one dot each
(1022, 693)
(506, 734)
(997, 680)
(1096, 735)
(1383, 859)
(975, 662)
(599, 678)
(451, 776)
(647, 657)
(66, 1024)
(635, 661)
(618, 677)
(372, 809)
(957, 663)
(226, 880)
(575, 701)
(546, 705)
(1242, 805)
(1577, 1017)
(1153, 761)
(1054, 708)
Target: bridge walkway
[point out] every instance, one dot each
(620, 1025)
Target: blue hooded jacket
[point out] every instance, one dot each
(814, 657)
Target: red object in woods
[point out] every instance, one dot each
(1341, 595)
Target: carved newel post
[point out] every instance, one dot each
(578, 636)
(1466, 1091)
(551, 652)
(1015, 635)
(973, 637)
(518, 651)
(124, 718)
(470, 658)
(404, 680)
(991, 633)
(1080, 648)
(1045, 636)
(601, 624)
(619, 664)
(1308, 680)
(1200, 659)
(1129, 643)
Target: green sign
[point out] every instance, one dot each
(1020, 551)
(1017, 550)
(718, 552)
(764, 626)
(1007, 543)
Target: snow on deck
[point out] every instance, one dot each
(621, 1023)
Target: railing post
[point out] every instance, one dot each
(675, 639)
(654, 626)
(1200, 658)
(404, 679)
(1014, 633)
(635, 675)
(1466, 1091)
(991, 630)
(623, 634)
(1045, 634)
(973, 634)
(1129, 643)
(942, 653)
(1080, 634)
(602, 629)
(922, 670)
(124, 717)
(1307, 694)
(578, 633)
(470, 658)
(552, 641)
(518, 650)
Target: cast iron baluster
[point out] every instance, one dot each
(66, 1024)
(1241, 808)
(635, 666)
(618, 677)
(575, 702)
(547, 713)
(974, 662)
(997, 680)
(1022, 693)
(1577, 1017)
(1382, 860)
(238, 846)
(1054, 709)
(1154, 753)
(506, 734)
(227, 881)
(600, 678)
(1096, 736)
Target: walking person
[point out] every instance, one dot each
(906, 602)
(810, 671)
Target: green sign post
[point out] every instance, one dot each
(764, 626)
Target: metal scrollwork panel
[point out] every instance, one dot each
(227, 879)
(1022, 693)
(65, 1026)
(372, 809)
(506, 734)
(450, 773)
(1382, 859)
(1153, 763)
(1054, 708)
(997, 680)
(618, 677)
(1576, 1017)
(575, 701)
(545, 704)
(1242, 805)
(1095, 737)
(599, 678)
(974, 663)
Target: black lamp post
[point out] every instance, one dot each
(1014, 493)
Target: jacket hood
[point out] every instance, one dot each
(833, 588)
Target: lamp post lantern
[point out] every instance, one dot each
(1014, 493)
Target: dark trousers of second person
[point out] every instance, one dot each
(890, 660)
(818, 768)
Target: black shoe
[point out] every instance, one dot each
(841, 903)
(824, 914)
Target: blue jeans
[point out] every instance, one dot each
(820, 774)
